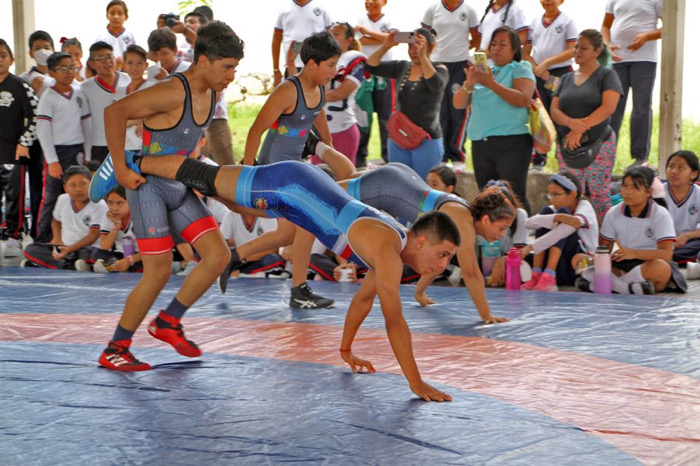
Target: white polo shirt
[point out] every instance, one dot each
(633, 17)
(99, 95)
(119, 42)
(652, 227)
(497, 18)
(76, 224)
(133, 142)
(552, 39)
(62, 120)
(383, 25)
(453, 28)
(235, 226)
(684, 212)
(297, 22)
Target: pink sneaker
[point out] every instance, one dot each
(532, 283)
(546, 283)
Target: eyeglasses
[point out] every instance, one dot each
(65, 69)
(105, 58)
(553, 195)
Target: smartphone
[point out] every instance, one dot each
(296, 48)
(405, 37)
(480, 60)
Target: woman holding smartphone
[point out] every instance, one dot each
(420, 84)
(499, 96)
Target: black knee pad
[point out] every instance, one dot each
(198, 175)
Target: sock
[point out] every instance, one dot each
(176, 309)
(122, 334)
(589, 274)
(619, 286)
(551, 272)
(633, 276)
(321, 149)
(536, 270)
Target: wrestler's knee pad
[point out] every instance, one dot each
(198, 175)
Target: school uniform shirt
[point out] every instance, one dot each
(235, 226)
(550, 39)
(119, 42)
(63, 120)
(185, 51)
(76, 224)
(133, 141)
(684, 212)
(588, 233)
(383, 25)
(17, 117)
(127, 231)
(180, 67)
(33, 73)
(99, 95)
(341, 113)
(517, 238)
(453, 28)
(297, 22)
(653, 226)
(494, 19)
(633, 17)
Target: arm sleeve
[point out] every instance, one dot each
(664, 228)
(610, 6)
(427, 21)
(438, 81)
(520, 233)
(44, 130)
(611, 81)
(386, 69)
(571, 31)
(519, 20)
(29, 108)
(551, 238)
(473, 20)
(524, 71)
(607, 229)
(659, 8)
(540, 221)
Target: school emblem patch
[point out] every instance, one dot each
(384, 28)
(559, 29)
(317, 11)
(260, 203)
(649, 232)
(463, 17)
(79, 100)
(693, 209)
(86, 220)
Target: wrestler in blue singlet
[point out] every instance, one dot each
(395, 188)
(307, 197)
(162, 206)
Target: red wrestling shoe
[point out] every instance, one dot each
(118, 358)
(169, 329)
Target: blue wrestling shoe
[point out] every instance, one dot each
(104, 180)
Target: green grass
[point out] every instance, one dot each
(241, 117)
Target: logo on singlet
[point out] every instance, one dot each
(260, 203)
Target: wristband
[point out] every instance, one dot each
(344, 350)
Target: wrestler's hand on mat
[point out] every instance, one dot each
(428, 392)
(423, 299)
(356, 364)
(129, 178)
(495, 320)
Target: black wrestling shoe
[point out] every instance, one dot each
(311, 143)
(303, 298)
(234, 264)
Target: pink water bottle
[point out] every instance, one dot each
(513, 269)
(602, 271)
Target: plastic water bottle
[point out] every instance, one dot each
(489, 253)
(513, 269)
(128, 246)
(602, 268)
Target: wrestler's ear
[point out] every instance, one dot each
(421, 241)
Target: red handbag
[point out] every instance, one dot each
(404, 132)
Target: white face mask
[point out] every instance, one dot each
(42, 56)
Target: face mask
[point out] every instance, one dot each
(42, 56)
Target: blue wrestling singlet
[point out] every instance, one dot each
(307, 197)
(395, 188)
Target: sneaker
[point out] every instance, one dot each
(81, 266)
(583, 284)
(13, 248)
(530, 284)
(693, 271)
(188, 268)
(310, 145)
(303, 298)
(104, 181)
(546, 283)
(118, 358)
(101, 267)
(644, 287)
(234, 264)
(169, 330)
(23, 263)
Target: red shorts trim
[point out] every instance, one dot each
(199, 227)
(154, 246)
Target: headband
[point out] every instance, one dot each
(564, 182)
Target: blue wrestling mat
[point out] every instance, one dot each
(573, 378)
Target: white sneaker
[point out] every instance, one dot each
(693, 271)
(13, 248)
(81, 266)
(100, 267)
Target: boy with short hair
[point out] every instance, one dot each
(75, 226)
(135, 65)
(100, 92)
(162, 45)
(63, 129)
(116, 35)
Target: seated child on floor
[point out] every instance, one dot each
(564, 231)
(75, 226)
(644, 234)
(118, 250)
(682, 197)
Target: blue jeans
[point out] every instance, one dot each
(421, 159)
